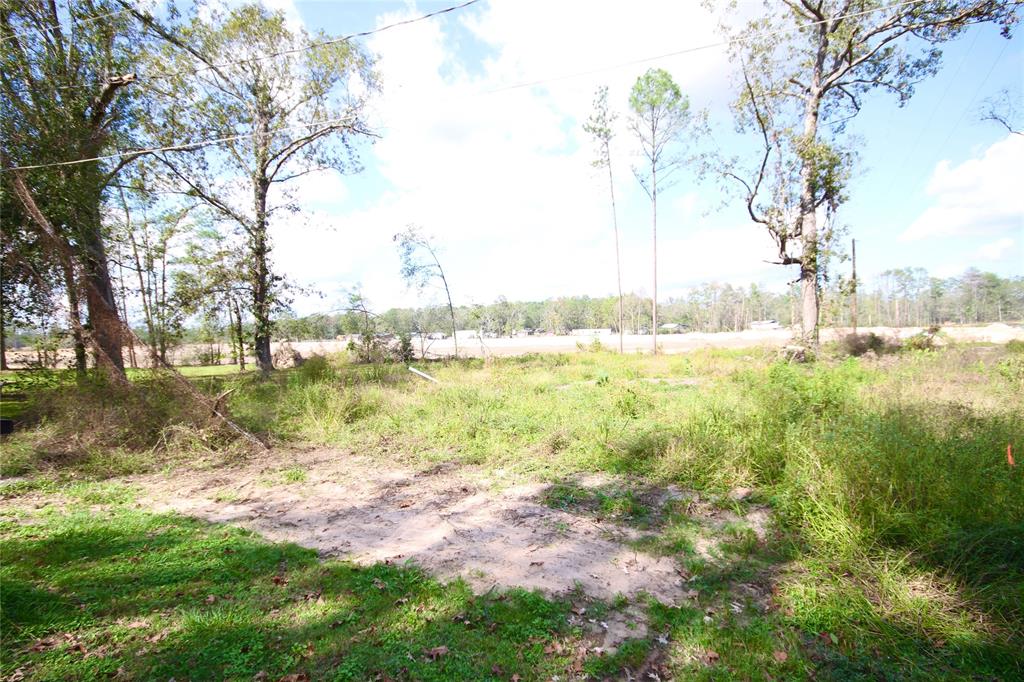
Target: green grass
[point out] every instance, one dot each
(88, 594)
(898, 548)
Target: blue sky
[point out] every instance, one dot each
(501, 176)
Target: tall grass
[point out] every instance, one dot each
(887, 476)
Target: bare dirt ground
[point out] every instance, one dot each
(448, 519)
(669, 343)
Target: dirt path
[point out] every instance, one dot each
(446, 519)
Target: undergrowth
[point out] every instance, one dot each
(888, 476)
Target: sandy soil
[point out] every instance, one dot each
(669, 343)
(449, 520)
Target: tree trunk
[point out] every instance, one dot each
(261, 281)
(654, 233)
(615, 226)
(809, 231)
(3, 334)
(853, 300)
(74, 317)
(238, 333)
(103, 318)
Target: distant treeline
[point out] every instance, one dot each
(901, 297)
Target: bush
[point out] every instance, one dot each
(316, 368)
(404, 352)
(923, 341)
(103, 429)
(856, 345)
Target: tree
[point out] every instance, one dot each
(212, 278)
(806, 66)
(65, 99)
(146, 241)
(299, 111)
(599, 125)
(1004, 109)
(29, 282)
(660, 115)
(419, 271)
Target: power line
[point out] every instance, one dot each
(699, 48)
(325, 43)
(935, 108)
(981, 86)
(163, 75)
(195, 145)
(177, 147)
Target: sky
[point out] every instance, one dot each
(498, 171)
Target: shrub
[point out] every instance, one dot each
(922, 341)
(404, 352)
(856, 345)
(316, 368)
(102, 428)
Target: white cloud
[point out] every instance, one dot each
(996, 250)
(981, 196)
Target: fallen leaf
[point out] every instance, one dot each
(691, 594)
(295, 677)
(711, 656)
(136, 624)
(437, 652)
(260, 676)
(780, 656)
(536, 563)
(516, 678)
(279, 580)
(380, 584)
(211, 598)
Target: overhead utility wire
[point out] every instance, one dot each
(163, 75)
(310, 46)
(699, 48)
(177, 147)
(204, 143)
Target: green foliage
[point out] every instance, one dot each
(873, 472)
(91, 595)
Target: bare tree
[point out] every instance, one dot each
(1004, 109)
(419, 271)
(599, 125)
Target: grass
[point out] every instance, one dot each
(898, 551)
(131, 595)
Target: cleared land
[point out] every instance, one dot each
(509, 347)
(713, 515)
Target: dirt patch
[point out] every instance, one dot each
(444, 519)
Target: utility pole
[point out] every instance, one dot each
(853, 298)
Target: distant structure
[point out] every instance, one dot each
(591, 332)
(760, 325)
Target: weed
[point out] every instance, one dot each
(293, 475)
